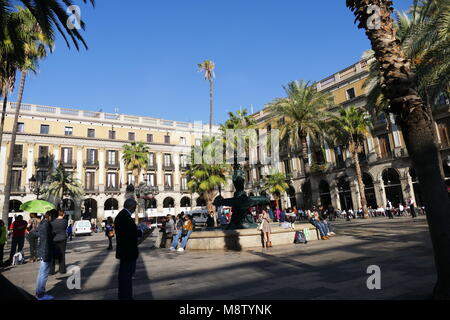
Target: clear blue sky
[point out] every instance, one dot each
(143, 55)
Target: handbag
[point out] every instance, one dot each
(184, 232)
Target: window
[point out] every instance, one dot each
(91, 133)
(151, 159)
(67, 155)
(68, 131)
(112, 157)
(183, 140)
(43, 151)
(45, 129)
(167, 160)
(91, 156)
(16, 179)
(150, 179)
(183, 184)
(149, 138)
(130, 178)
(90, 181)
(198, 142)
(20, 127)
(183, 160)
(167, 139)
(351, 94)
(41, 176)
(287, 166)
(131, 136)
(112, 181)
(18, 153)
(385, 146)
(112, 135)
(168, 181)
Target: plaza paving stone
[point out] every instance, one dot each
(334, 269)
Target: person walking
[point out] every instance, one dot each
(178, 229)
(389, 209)
(70, 232)
(32, 236)
(19, 228)
(127, 252)
(109, 231)
(3, 240)
(187, 229)
(59, 226)
(412, 207)
(278, 214)
(45, 252)
(266, 229)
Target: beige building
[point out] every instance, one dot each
(385, 163)
(89, 144)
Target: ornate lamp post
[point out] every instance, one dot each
(37, 187)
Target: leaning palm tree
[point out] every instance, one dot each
(350, 128)
(303, 110)
(412, 115)
(136, 159)
(35, 45)
(61, 184)
(205, 178)
(275, 184)
(208, 67)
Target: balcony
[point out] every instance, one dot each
(17, 190)
(110, 189)
(19, 163)
(43, 162)
(112, 165)
(91, 190)
(185, 166)
(91, 164)
(168, 166)
(69, 163)
(152, 167)
(168, 188)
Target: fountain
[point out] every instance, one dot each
(241, 202)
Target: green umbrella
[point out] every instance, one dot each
(37, 206)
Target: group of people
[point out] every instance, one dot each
(177, 228)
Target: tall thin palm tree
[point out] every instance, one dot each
(136, 159)
(304, 109)
(35, 45)
(350, 129)
(412, 115)
(208, 67)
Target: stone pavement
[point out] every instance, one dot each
(334, 269)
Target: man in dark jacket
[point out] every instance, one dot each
(45, 251)
(127, 235)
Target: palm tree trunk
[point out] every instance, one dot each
(2, 123)
(210, 106)
(362, 193)
(417, 126)
(209, 204)
(7, 193)
(136, 184)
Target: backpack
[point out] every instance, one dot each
(18, 259)
(300, 237)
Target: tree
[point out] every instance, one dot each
(135, 157)
(63, 183)
(208, 67)
(350, 128)
(34, 47)
(413, 117)
(275, 184)
(303, 110)
(205, 178)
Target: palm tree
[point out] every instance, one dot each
(136, 159)
(63, 183)
(275, 184)
(206, 179)
(34, 48)
(51, 15)
(303, 110)
(350, 128)
(208, 67)
(412, 115)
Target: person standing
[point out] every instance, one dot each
(3, 240)
(389, 209)
(266, 228)
(167, 230)
(177, 231)
(187, 229)
(45, 252)
(59, 226)
(109, 231)
(412, 208)
(32, 236)
(70, 232)
(127, 252)
(19, 228)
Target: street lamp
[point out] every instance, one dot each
(36, 186)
